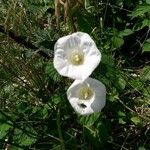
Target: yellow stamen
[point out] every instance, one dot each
(76, 58)
(85, 93)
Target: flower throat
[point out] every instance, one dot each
(85, 93)
(76, 58)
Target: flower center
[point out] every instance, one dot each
(85, 93)
(76, 58)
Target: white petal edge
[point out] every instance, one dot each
(77, 40)
(95, 104)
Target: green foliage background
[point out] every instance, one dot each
(34, 111)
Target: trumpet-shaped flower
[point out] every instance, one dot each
(88, 96)
(76, 56)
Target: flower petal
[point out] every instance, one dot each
(94, 104)
(65, 46)
(67, 43)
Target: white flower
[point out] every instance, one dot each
(88, 96)
(76, 56)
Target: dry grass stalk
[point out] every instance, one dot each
(68, 6)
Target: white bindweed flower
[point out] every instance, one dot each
(88, 96)
(76, 56)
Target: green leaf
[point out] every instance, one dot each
(121, 83)
(125, 32)
(140, 10)
(114, 96)
(121, 121)
(146, 74)
(103, 131)
(136, 84)
(121, 114)
(56, 147)
(146, 47)
(136, 120)
(145, 22)
(117, 42)
(84, 23)
(141, 148)
(4, 128)
(25, 138)
(146, 92)
(41, 112)
(56, 99)
(148, 1)
(89, 120)
(52, 73)
(97, 136)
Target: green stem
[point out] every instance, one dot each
(59, 130)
